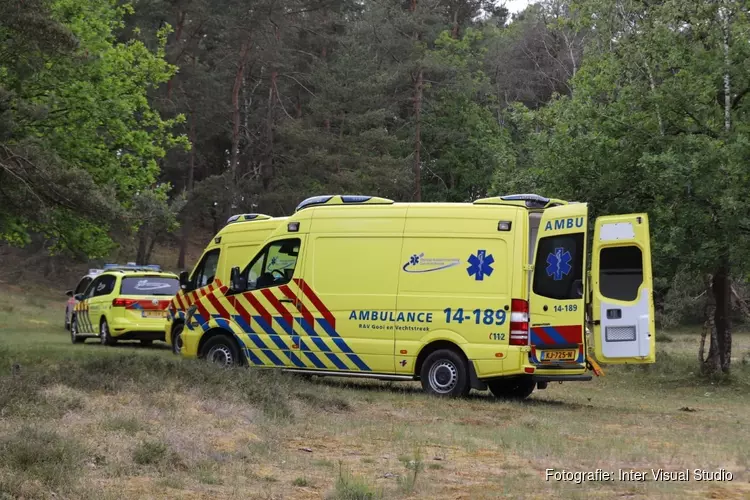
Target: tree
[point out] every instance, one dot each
(657, 121)
(78, 136)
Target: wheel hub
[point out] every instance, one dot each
(443, 376)
(221, 355)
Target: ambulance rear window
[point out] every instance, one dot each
(559, 267)
(146, 285)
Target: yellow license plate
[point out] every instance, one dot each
(154, 314)
(559, 355)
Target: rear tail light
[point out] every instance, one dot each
(120, 302)
(519, 322)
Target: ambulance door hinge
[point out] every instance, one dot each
(596, 322)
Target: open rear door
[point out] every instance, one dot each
(622, 286)
(557, 289)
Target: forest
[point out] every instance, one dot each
(128, 123)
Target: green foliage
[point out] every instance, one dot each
(78, 136)
(463, 143)
(644, 130)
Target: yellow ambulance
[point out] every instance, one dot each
(235, 244)
(491, 295)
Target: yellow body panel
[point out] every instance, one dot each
(374, 286)
(235, 244)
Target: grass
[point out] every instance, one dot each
(88, 421)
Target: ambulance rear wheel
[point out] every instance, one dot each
(517, 388)
(445, 373)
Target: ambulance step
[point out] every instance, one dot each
(561, 378)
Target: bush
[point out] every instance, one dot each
(150, 453)
(42, 455)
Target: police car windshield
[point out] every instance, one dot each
(147, 285)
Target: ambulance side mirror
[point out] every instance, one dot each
(78, 296)
(237, 282)
(184, 280)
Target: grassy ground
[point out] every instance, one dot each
(88, 421)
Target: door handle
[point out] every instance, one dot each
(614, 313)
(290, 301)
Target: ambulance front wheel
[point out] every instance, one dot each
(222, 350)
(445, 373)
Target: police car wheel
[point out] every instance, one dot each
(518, 388)
(74, 338)
(222, 351)
(177, 339)
(444, 373)
(104, 336)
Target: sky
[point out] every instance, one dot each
(515, 5)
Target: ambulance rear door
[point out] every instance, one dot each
(556, 298)
(622, 290)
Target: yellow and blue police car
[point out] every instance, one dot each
(124, 303)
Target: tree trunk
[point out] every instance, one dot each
(238, 77)
(185, 230)
(267, 165)
(454, 30)
(141, 253)
(722, 290)
(419, 83)
(178, 36)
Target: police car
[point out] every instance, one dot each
(83, 283)
(124, 303)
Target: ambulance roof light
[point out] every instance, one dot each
(342, 199)
(528, 200)
(247, 217)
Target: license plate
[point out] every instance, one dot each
(559, 355)
(154, 314)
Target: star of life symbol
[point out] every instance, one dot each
(558, 264)
(480, 265)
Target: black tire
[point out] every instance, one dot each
(512, 388)
(177, 338)
(445, 373)
(105, 337)
(147, 342)
(222, 350)
(74, 338)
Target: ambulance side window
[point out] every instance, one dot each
(559, 267)
(274, 265)
(620, 272)
(206, 271)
